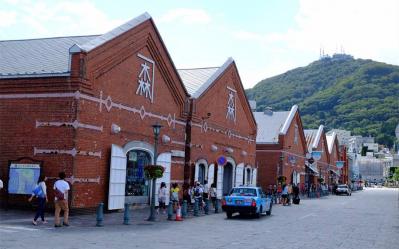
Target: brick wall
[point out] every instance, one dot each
(211, 108)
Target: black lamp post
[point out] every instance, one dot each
(156, 129)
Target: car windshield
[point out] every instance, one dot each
(243, 192)
(342, 186)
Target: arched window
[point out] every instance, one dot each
(201, 173)
(248, 175)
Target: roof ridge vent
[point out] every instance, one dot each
(268, 111)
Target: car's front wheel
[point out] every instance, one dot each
(229, 215)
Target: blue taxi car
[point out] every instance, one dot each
(247, 200)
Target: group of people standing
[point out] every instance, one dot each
(283, 193)
(191, 193)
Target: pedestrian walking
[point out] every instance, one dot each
(205, 195)
(279, 191)
(284, 194)
(198, 194)
(295, 191)
(275, 193)
(289, 196)
(162, 198)
(61, 188)
(40, 191)
(213, 194)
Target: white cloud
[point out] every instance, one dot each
(62, 18)
(7, 18)
(187, 16)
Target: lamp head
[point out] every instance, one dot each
(156, 128)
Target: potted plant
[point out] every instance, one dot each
(153, 171)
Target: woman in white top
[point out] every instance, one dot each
(162, 197)
(40, 192)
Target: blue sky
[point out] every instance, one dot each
(265, 38)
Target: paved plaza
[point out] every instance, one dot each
(367, 219)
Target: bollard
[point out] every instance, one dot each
(206, 208)
(217, 206)
(126, 215)
(196, 207)
(184, 209)
(100, 215)
(170, 211)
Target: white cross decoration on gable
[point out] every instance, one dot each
(231, 105)
(146, 78)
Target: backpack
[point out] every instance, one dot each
(197, 191)
(60, 196)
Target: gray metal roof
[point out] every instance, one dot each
(330, 141)
(310, 136)
(313, 137)
(194, 78)
(51, 56)
(38, 57)
(90, 45)
(270, 125)
(198, 80)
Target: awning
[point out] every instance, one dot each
(335, 172)
(312, 167)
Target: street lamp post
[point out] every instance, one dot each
(156, 129)
(281, 164)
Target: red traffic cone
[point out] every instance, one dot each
(178, 214)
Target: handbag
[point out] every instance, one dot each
(60, 196)
(38, 191)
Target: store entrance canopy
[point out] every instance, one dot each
(312, 167)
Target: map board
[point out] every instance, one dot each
(23, 178)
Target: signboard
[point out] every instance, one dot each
(221, 160)
(316, 155)
(23, 177)
(292, 159)
(339, 164)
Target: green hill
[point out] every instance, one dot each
(339, 92)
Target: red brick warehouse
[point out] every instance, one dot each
(221, 125)
(280, 146)
(335, 156)
(317, 143)
(88, 107)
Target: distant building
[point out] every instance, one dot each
(342, 135)
(280, 147)
(371, 169)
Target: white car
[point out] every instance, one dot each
(343, 189)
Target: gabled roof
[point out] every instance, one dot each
(273, 124)
(194, 78)
(313, 137)
(310, 136)
(330, 141)
(50, 57)
(45, 57)
(198, 80)
(100, 40)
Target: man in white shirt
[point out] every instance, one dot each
(61, 188)
(1, 184)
